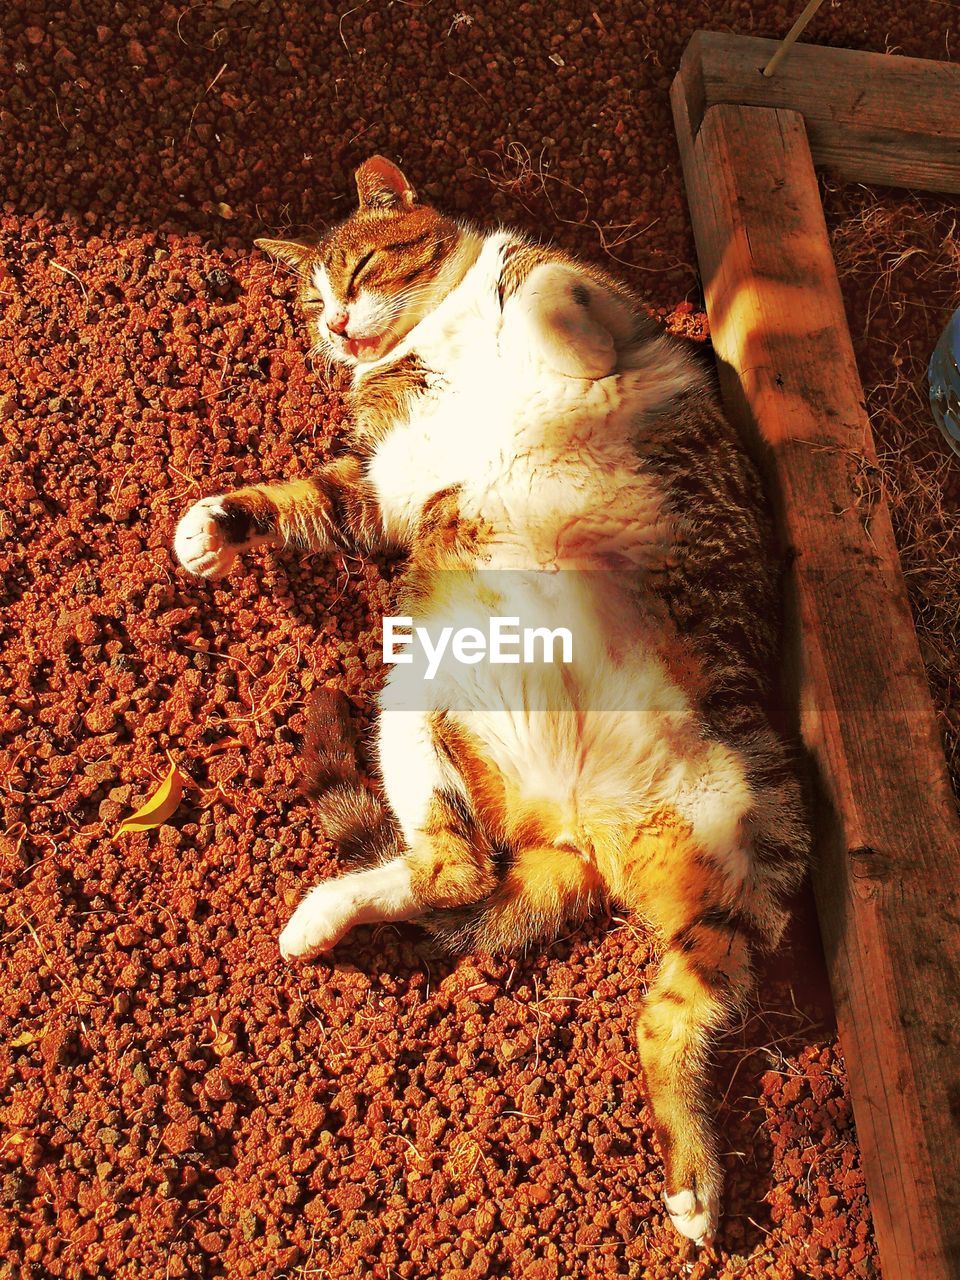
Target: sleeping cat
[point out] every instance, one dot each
(538, 447)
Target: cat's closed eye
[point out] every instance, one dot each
(357, 269)
(311, 300)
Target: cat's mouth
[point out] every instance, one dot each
(366, 348)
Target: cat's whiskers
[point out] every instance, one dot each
(408, 300)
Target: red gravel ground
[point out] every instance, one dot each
(175, 1101)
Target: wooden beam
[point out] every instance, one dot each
(887, 876)
(870, 117)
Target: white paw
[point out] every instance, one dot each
(320, 921)
(693, 1217)
(199, 542)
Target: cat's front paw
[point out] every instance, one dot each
(200, 542)
(694, 1214)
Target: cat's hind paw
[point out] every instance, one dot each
(694, 1215)
(201, 543)
(320, 921)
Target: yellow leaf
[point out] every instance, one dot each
(224, 1045)
(25, 1037)
(223, 1042)
(161, 805)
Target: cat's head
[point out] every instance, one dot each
(373, 277)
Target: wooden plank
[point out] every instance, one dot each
(887, 877)
(870, 117)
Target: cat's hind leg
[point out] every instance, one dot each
(704, 974)
(374, 895)
(703, 979)
(447, 865)
(447, 860)
(355, 817)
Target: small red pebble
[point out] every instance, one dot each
(177, 1138)
(216, 1088)
(129, 935)
(34, 35)
(100, 719)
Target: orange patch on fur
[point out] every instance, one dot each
(448, 872)
(544, 889)
(444, 540)
(666, 876)
(684, 666)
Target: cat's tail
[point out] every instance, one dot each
(543, 890)
(354, 816)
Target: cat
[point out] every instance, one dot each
(534, 442)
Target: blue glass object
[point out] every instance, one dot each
(944, 376)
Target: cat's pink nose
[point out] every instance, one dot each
(338, 323)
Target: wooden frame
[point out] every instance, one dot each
(887, 874)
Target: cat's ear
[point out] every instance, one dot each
(292, 252)
(381, 185)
